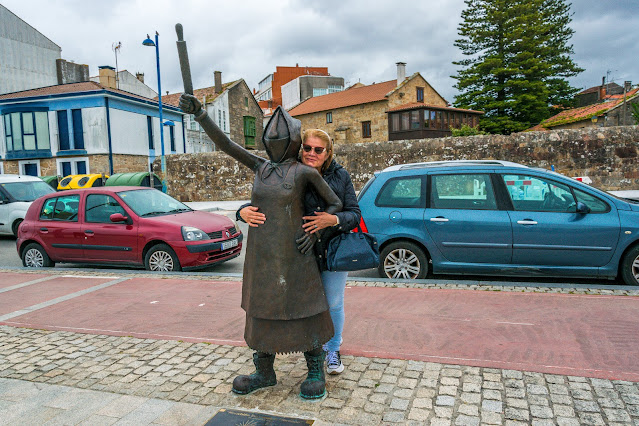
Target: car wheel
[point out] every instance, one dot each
(403, 260)
(15, 226)
(161, 258)
(34, 256)
(630, 266)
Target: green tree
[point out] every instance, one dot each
(517, 61)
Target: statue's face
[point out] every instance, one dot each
(282, 137)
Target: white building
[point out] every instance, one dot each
(124, 81)
(84, 128)
(27, 57)
(307, 86)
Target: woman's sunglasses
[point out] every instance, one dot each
(318, 149)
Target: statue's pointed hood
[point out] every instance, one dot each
(282, 136)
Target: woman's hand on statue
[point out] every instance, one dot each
(189, 104)
(252, 217)
(319, 221)
(306, 242)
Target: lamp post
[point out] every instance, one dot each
(149, 42)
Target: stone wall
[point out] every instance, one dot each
(609, 156)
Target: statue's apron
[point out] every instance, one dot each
(282, 292)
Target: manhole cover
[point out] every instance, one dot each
(226, 417)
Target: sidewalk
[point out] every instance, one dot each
(90, 373)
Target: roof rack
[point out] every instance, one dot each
(454, 163)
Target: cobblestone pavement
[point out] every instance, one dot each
(70, 378)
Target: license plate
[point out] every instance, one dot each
(229, 244)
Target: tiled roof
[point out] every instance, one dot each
(61, 89)
(584, 113)
(346, 98)
(595, 89)
(414, 105)
(208, 92)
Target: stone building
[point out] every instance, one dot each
(405, 108)
(613, 110)
(84, 127)
(232, 107)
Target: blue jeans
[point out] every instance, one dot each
(334, 286)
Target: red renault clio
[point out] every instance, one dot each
(124, 225)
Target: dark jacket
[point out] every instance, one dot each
(340, 182)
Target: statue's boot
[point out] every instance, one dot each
(315, 384)
(264, 375)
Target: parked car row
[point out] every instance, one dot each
(498, 218)
(124, 225)
(16, 195)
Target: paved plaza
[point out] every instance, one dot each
(57, 376)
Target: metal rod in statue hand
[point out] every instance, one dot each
(183, 54)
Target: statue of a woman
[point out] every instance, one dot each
(282, 292)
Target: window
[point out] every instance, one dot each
(329, 117)
(462, 191)
(219, 118)
(78, 132)
(319, 91)
(335, 88)
(26, 131)
(100, 207)
(149, 130)
(366, 129)
(73, 166)
(395, 122)
(414, 120)
(405, 120)
(595, 204)
(172, 137)
(61, 208)
(29, 167)
(530, 193)
(63, 131)
(401, 192)
(245, 101)
(420, 94)
(249, 132)
(224, 120)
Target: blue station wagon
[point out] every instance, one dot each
(498, 218)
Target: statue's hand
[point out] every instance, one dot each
(306, 242)
(189, 104)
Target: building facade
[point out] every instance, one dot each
(27, 57)
(232, 107)
(391, 110)
(125, 81)
(304, 87)
(269, 94)
(84, 128)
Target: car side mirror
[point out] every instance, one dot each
(119, 217)
(582, 208)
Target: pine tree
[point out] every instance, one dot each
(518, 59)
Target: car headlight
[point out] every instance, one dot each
(190, 233)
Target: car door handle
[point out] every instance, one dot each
(89, 232)
(44, 230)
(527, 222)
(438, 219)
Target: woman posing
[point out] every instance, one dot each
(317, 152)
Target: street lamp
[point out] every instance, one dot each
(149, 42)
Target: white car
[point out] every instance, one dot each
(17, 192)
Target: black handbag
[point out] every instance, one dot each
(352, 251)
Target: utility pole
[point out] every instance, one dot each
(627, 85)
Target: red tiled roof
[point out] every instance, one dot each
(205, 92)
(346, 98)
(584, 113)
(414, 105)
(61, 89)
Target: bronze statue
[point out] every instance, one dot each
(282, 292)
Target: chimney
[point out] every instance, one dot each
(602, 89)
(401, 72)
(140, 76)
(107, 76)
(218, 81)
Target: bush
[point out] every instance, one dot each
(466, 130)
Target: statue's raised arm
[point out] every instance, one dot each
(190, 105)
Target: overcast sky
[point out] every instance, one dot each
(360, 40)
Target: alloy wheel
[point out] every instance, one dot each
(635, 268)
(33, 258)
(402, 263)
(161, 261)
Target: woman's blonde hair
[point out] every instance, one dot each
(324, 137)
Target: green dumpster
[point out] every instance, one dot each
(134, 179)
(51, 180)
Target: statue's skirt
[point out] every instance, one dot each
(285, 336)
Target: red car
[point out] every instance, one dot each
(124, 225)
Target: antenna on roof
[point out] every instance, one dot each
(116, 49)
